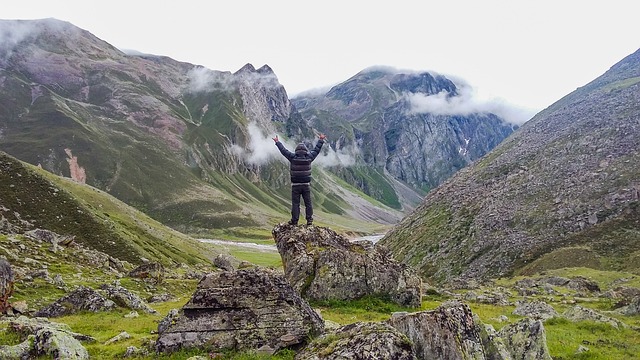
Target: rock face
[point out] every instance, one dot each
(376, 115)
(359, 341)
(322, 265)
(241, 310)
(561, 191)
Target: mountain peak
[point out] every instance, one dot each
(265, 70)
(247, 68)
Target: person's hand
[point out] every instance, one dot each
(275, 139)
(322, 136)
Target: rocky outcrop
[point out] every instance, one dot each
(6, 284)
(323, 265)
(241, 310)
(359, 341)
(81, 299)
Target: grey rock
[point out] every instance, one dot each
(632, 309)
(18, 352)
(526, 339)
(535, 310)
(322, 265)
(159, 298)
(59, 345)
(448, 332)
(579, 313)
(359, 341)
(122, 336)
(224, 262)
(81, 299)
(242, 310)
(126, 299)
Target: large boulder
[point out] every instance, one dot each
(359, 341)
(449, 332)
(323, 265)
(452, 331)
(81, 299)
(241, 310)
(126, 299)
(44, 339)
(526, 339)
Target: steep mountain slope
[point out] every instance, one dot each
(183, 143)
(562, 191)
(31, 198)
(380, 117)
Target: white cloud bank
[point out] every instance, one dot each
(262, 150)
(468, 101)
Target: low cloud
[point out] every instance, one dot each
(203, 79)
(13, 32)
(467, 102)
(261, 150)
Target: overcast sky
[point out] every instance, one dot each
(529, 53)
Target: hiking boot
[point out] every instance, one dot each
(291, 222)
(309, 223)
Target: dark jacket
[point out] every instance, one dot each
(300, 161)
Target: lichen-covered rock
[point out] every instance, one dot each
(81, 299)
(526, 340)
(17, 352)
(58, 345)
(25, 326)
(241, 310)
(322, 265)
(6, 284)
(579, 313)
(126, 299)
(448, 332)
(44, 339)
(359, 341)
(535, 310)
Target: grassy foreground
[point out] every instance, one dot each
(564, 337)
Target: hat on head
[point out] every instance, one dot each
(301, 149)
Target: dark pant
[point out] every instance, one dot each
(305, 191)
